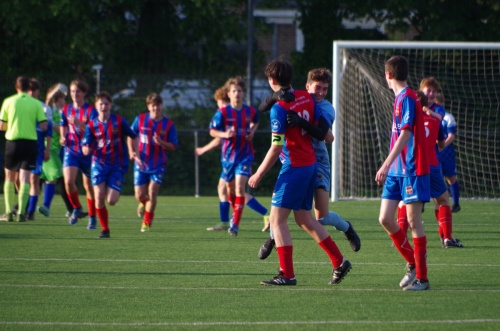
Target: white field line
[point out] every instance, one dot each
(472, 265)
(256, 323)
(241, 289)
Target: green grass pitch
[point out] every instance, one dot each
(179, 276)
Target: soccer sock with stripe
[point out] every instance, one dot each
(239, 204)
(403, 246)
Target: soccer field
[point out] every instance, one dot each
(179, 276)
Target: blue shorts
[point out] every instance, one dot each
(39, 164)
(323, 177)
(294, 188)
(230, 170)
(438, 186)
(408, 189)
(112, 176)
(144, 177)
(80, 161)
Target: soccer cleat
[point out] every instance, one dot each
(30, 217)
(339, 273)
(417, 285)
(455, 208)
(7, 217)
(409, 277)
(280, 280)
(21, 218)
(91, 225)
(67, 214)
(140, 210)
(82, 214)
(104, 234)
(44, 211)
(353, 238)
(73, 219)
(453, 243)
(14, 209)
(145, 227)
(223, 226)
(233, 231)
(266, 249)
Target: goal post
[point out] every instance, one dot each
(469, 74)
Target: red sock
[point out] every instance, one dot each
(401, 243)
(333, 251)
(73, 198)
(102, 213)
(91, 206)
(403, 219)
(421, 257)
(285, 256)
(148, 217)
(239, 203)
(440, 224)
(445, 219)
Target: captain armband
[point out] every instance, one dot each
(278, 139)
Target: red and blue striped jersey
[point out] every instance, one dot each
(108, 140)
(74, 135)
(408, 115)
(153, 155)
(298, 149)
(236, 149)
(433, 132)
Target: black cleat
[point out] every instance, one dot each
(280, 280)
(455, 208)
(104, 234)
(353, 238)
(453, 243)
(340, 272)
(266, 249)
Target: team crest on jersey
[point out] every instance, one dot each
(409, 190)
(275, 125)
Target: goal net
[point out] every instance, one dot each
(469, 74)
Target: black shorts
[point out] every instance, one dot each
(21, 154)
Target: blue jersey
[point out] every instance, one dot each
(408, 115)
(153, 155)
(328, 113)
(236, 149)
(74, 134)
(438, 109)
(108, 141)
(450, 127)
(297, 150)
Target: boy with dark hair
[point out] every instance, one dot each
(294, 187)
(105, 139)
(157, 135)
(405, 175)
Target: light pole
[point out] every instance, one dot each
(97, 68)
